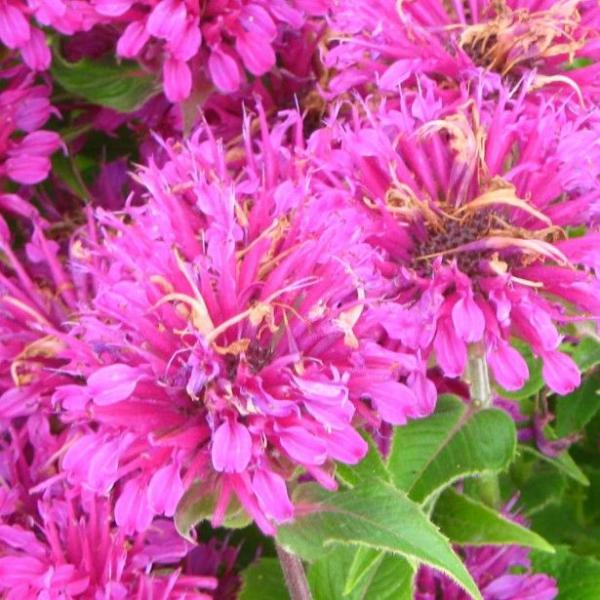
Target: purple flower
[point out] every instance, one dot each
(470, 204)
(510, 42)
(228, 338)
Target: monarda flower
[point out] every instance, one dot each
(473, 208)
(212, 41)
(25, 148)
(229, 340)
(69, 547)
(515, 41)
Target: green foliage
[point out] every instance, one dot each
(372, 514)
(578, 577)
(263, 580)
(430, 454)
(575, 411)
(387, 578)
(122, 86)
(198, 505)
(466, 521)
(371, 466)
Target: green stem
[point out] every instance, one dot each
(293, 572)
(479, 380)
(481, 396)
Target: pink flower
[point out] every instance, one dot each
(228, 339)
(470, 221)
(510, 43)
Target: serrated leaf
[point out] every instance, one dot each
(371, 466)
(578, 577)
(575, 411)
(455, 442)
(122, 86)
(465, 521)
(364, 561)
(372, 514)
(263, 580)
(564, 463)
(389, 578)
(198, 504)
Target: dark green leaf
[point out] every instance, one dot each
(121, 86)
(564, 463)
(455, 442)
(578, 577)
(372, 514)
(466, 521)
(263, 581)
(575, 411)
(199, 504)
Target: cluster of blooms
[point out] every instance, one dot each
(277, 283)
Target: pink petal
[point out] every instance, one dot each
(167, 20)
(560, 372)
(35, 51)
(231, 447)
(346, 445)
(224, 70)
(468, 319)
(28, 169)
(165, 490)
(132, 40)
(177, 79)
(508, 366)
(451, 351)
(112, 384)
(186, 46)
(257, 53)
(394, 401)
(112, 8)
(14, 28)
(272, 494)
(132, 511)
(302, 446)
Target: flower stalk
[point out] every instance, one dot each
(479, 379)
(293, 572)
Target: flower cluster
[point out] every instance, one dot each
(259, 237)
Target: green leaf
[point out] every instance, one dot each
(578, 577)
(364, 561)
(263, 580)
(575, 411)
(564, 463)
(372, 514)
(369, 467)
(455, 442)
(587, 352)
(466, 521)
(389, 578)
(198, 504)
(535, 382)
(121, 86)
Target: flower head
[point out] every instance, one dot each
(472, 205)
(228, 339)
(509, 42)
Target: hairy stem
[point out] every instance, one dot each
(481, 396)
(293, 571)
(479, 380)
